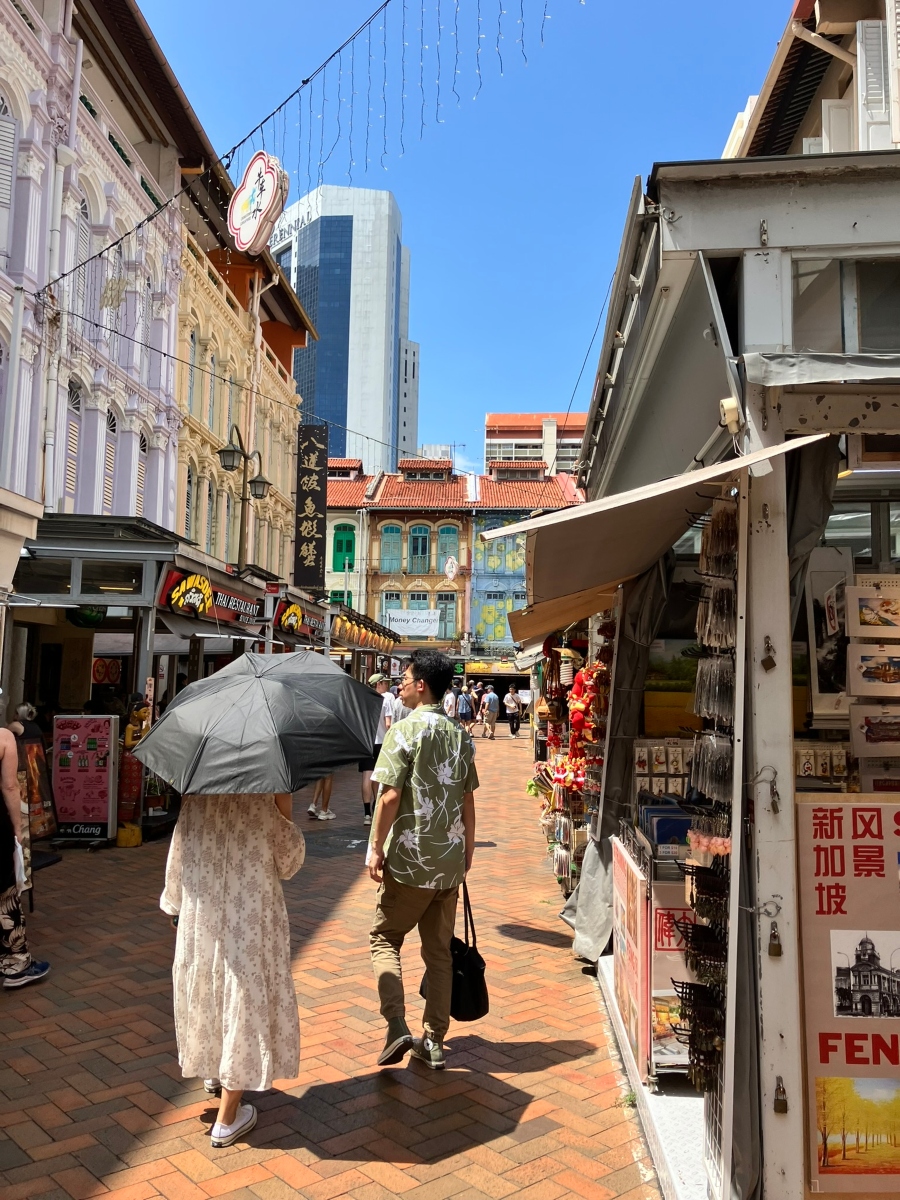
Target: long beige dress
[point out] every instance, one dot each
(236, 1014)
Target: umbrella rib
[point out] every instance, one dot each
(284, 763)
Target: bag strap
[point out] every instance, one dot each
(468, 919)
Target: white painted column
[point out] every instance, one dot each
(127, 450)
(155, 480)
(91, 453)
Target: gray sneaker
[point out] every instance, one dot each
(398, 1041)
(429, 1051)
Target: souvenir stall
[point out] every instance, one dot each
(668, 820)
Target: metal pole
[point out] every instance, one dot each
(245, 512)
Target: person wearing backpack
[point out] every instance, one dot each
(465, 711)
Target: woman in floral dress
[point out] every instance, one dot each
(236, 1017)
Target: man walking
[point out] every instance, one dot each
(421, 847)
(490, 710)
(513, 706)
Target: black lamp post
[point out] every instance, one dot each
(231, 457)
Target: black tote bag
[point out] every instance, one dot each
(469, 998)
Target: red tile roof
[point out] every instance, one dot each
(571, 423)
(526, 494)
(424, 464)
(524, 464)
(396, 492)
(344, 464)
(348, 493)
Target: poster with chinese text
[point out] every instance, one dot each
(667, 905)
(85, 755)
(311, 515)
(630, 909)
(849, 854)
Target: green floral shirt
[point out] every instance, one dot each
(431, 760)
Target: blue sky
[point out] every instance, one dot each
(513, 207)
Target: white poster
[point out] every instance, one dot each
(409, 622)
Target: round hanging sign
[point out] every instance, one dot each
(257, 203)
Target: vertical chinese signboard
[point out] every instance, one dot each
(630, 959)
(311, 522)
(849, 854)
(85, 758)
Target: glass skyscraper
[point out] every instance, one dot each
(342, 250)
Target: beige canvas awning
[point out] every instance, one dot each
(576, 559)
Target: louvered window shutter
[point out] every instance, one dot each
(226, 549)
(873, 101)
(211, 416)
(109, 465)
(146, 319)
(210, 508)
(82, 254)
(892, 11)
(192, 366)
(141, 476)
(73, 433)
(188, 502)
(230, 407)
(7, 176)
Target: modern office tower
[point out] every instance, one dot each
(551, 438)
(341, 248)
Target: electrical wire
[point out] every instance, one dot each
(552, 466)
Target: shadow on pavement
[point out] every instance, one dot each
(541, 937)
(409, 1114)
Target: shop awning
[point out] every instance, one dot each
(186, 628)
(576, 558)
(809, 367)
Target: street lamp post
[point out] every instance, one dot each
(257, 488)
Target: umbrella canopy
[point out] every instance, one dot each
(264, 723)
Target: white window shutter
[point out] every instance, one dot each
(7, 178)
(189, 503)
(141, 479)
(872, 93)
(837, 126)
(892, 11)
(109, 477)
(73, 433)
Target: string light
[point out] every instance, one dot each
(479, 36)
(437, 48)
(521, 38)
(500, 11)
(456, 51)
(422, 68)
(403, 78)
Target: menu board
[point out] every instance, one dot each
(849, 852)
(630, 909)
(84, 776)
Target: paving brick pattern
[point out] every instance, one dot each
(92, 1102)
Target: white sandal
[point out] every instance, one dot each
(212, 1087)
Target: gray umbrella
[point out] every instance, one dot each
(264, 723)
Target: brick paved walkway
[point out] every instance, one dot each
(92, 1101)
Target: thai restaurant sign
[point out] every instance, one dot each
(311, 514)
(257, 203)
(298, 621)
(193, 595)
(849, 853)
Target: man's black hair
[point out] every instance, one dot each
(434, 669)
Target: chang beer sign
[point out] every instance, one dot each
(257, 203)
(409, 622)
(192, 594)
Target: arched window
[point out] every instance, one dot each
(73, 436)
(419, 549)
(109, 464)
(141, 478)
(83, 239)
(210, 517)
(391, 548)
(192, 369)
(448, 544)
(7, 173)
(344, 548)
(189, 504)
(211, 413)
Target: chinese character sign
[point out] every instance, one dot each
(849, 874)
(311, 526)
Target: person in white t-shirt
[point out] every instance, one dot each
(513, 705)
(381, 684)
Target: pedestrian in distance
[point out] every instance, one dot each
(513, 705)
(420, 850)
(319, 808)
(490, 710)
(380, 684)
(236, 1020)
(17, 967)
(450, 702)
(465, 711)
